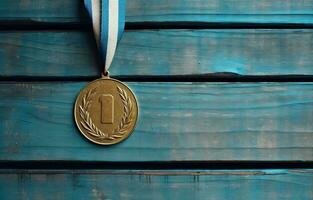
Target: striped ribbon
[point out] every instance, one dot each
(108, 20)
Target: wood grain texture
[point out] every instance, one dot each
(197, 185)
(177, 122)
(254, 11)
(164, 52)
(43, 11)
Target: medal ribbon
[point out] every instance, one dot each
(108, 20)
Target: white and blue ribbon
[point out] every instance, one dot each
(108, 20)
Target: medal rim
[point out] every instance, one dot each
(137, 109)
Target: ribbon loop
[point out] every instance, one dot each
(108, 20)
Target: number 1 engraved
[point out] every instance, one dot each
(107, 108)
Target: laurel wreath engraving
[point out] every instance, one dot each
(93, 130)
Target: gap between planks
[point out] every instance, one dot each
(182, 172)
(212, 77)
(24, 25)
(173, 165)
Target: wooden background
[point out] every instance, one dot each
(218, 81)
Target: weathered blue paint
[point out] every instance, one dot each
(185, 185)
(165, 52)
(254, 11)
(178, 121)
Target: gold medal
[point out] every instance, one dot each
(106, 111)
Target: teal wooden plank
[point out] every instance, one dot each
(178, 122)
(251, 11)
(278, 184)
(51, 53)
(254, 11)
(43, 11)
(164, 52)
